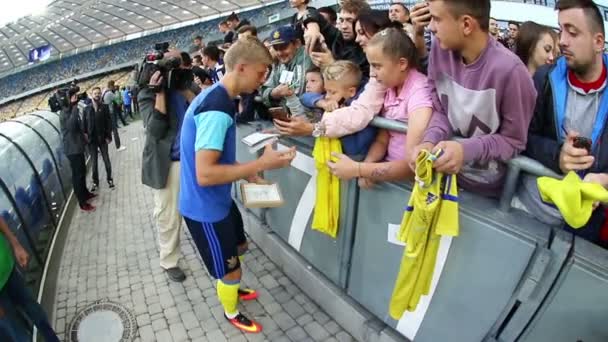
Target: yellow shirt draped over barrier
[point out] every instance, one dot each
(432, 211)
(573, 197)
(327, 205)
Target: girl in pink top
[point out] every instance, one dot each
(392, 57)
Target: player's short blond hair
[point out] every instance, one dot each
(345, 72)
(247, 51)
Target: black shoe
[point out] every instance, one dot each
(176, 274)
(95, 188)
(111, 184)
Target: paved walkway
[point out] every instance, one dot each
(112, 253)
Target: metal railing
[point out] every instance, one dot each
(515, 165)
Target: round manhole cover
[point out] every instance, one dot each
(103, 321)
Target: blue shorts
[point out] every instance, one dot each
(220, 243)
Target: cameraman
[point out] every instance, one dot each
(163, 111)
(74, 141)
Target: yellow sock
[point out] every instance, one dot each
(228, 294)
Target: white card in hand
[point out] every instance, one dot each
(262, 192)
(257, 137)
(261, 195)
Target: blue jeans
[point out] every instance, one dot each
(16, 296)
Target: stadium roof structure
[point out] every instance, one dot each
(73, 26)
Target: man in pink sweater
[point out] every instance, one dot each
(483, 94)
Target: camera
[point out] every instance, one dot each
(65, 94)
(174, 77)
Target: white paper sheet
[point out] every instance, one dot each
(393, 230)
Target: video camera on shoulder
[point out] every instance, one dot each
(174, 77)
(63, 95)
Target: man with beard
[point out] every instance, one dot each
(97, 125)
(569, 123)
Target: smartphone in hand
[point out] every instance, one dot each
(279, 113)
(318, 47)
(583, 142)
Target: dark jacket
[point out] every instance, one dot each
(97, 125)
(544, 144)
(297, 24)
(71, 131)
(161, 130)
(340, 48)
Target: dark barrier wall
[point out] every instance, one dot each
(34, 184)
(506, 277)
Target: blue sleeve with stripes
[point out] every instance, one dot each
(211, 128)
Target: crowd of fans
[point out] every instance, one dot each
(447, 70)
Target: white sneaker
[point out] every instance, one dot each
(121, 148)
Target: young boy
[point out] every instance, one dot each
(209, 166)
(342, 85)
(314, 81)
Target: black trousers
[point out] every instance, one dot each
(115, 129)
(94, 150)
(79, 177)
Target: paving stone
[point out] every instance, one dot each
(146, 333)
(316, 331)
(273, 308)
(154, 308)
(294, 309)
(159, 324)
(269, 282)
(304, 319)
(143, 319)
(60, 325)
(195, 334)
(282, 297)
(178, 332)
(166, 302)
(189, 320)
(321, 317)
(268, 324)
(344, 337)
(164, 335)
(332, 327)
(216, 336)
(296, 333)
(257, 337)
(284, 321)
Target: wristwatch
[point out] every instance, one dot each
(318, 130)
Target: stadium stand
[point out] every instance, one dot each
(126, 51)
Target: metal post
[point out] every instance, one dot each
(510, 187)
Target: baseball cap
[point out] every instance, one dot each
(282, 35)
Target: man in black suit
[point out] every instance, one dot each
(97, 123)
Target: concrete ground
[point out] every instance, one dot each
(112, 253)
